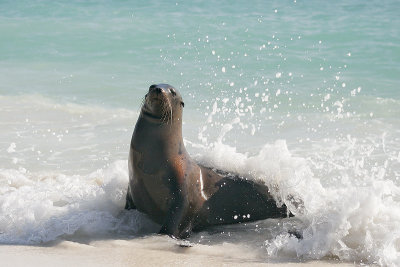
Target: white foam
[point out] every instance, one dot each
(344, 194)
(37, 208)
(11, 148)
(352, 215)
(344, 191)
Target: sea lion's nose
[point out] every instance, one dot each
(155, 88)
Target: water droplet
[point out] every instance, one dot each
(11, 148)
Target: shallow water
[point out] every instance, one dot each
(302, 95)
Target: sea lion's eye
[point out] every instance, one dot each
(172, 91)
(182, 104)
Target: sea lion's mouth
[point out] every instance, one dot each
(151, 115)
(147, 111)
(155, 99)
(157, 107)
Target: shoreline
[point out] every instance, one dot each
(149, 251)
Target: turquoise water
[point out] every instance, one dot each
(307, 91)
(114, 50)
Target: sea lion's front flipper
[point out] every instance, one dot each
(129, 205)
(177, 223)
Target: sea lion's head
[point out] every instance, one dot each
(163, 103)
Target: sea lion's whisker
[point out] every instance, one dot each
(166, 112)
(164, 118)
(170, 109)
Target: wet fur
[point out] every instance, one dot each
(167, 185)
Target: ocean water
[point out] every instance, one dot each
(303, 95)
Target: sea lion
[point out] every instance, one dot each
(172, 189)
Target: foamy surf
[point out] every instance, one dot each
(41, 207)
(344, 191)
(340, 219)
(346, 205)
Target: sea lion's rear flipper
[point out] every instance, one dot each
(239, 200)
(129, 205)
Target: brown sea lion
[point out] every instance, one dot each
(172, 189)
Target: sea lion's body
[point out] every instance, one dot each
(172, 189)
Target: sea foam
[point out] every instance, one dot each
(339, 220)
(41, 207)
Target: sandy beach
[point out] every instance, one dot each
(141, 252)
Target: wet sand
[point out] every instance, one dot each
(149, 251)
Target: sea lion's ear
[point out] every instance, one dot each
(182, 104)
